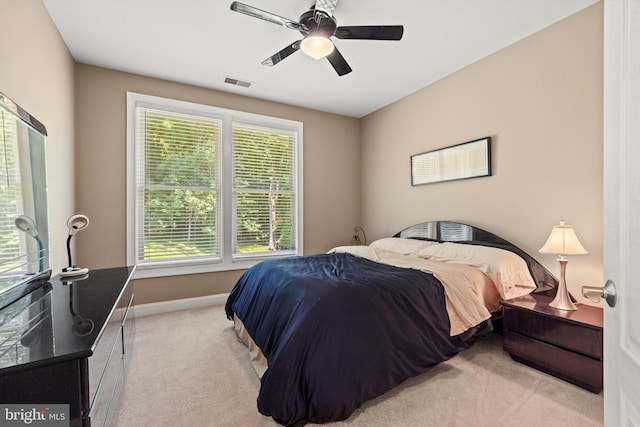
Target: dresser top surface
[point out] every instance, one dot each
(586, 314)
(62, 320)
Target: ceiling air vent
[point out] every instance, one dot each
(237, 82)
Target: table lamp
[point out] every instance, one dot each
(75, 224)
(28, 226)
(563, 241)
(355, 239)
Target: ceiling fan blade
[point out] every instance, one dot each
(338, 62)
(370, 32)
(326, 6)
(274, 59)
(245, 9)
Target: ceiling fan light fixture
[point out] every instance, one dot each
(316, 46)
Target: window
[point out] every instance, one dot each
(11, 240)
(209, 189)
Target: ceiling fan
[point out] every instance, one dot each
(318, 25)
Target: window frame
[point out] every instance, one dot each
(227, 261)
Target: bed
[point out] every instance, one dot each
(328, 332)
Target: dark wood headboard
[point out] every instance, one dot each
(449, 231)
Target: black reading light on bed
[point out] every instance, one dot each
(563, 241)
(355, 239)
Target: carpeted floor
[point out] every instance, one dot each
(188, 369)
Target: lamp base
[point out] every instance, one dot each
(73, 272)
(562, 301)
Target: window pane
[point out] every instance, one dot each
(179, 224)
(263, 158)
(263, 222)
(178, 177)
(12, 240)
(180, 149)
(264, 189)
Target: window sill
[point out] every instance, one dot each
(143, 271)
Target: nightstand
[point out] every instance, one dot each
(565, 344)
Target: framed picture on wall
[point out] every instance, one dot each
(470, 159)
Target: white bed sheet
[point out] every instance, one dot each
(469, 293)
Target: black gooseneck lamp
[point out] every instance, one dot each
(75, 223)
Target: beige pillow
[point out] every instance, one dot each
(507, 270)
(402, 246)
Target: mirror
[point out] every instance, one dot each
(24, 227)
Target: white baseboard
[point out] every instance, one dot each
(179, 304)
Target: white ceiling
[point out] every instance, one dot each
(200, 42)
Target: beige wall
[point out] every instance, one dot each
(36, 71)
(331, 173)
(541, 102)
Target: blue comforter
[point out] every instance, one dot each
(338, 330)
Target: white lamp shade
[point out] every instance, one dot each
(76, 223)
(27, 225)
(563, 241)
(316, 46)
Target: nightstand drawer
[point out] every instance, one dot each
(575, 368)
(555, 330)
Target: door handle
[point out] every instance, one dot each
(595, 294)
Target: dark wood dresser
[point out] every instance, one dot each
(69, 342)
(565, 344)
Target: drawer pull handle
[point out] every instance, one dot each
(595, 294)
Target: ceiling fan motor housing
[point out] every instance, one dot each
(318, 22)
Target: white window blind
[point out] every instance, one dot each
(264, 190)
(11, 239)
(178, 177)
(208, 188)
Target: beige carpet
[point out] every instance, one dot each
(188, 370)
